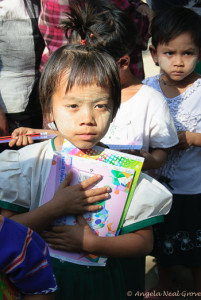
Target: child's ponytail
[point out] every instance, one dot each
(102, 25)
(78, 26)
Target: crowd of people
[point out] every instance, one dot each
(74, 69)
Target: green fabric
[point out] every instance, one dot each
(198, 68)
(13, 207)
(142, 224)
(53, 145)
(134, 276)
(89, 283)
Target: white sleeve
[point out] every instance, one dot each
(14, 186)
(163, 132)
(151, 200)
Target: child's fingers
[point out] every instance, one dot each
(13, 142)
(26, 140)
(19, 141)
(97, 192)
(94, 199)
(90, 181)
(92, 208)
(30, 140)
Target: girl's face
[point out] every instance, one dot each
(177, 58)
(83, 114)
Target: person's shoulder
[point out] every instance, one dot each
(152, 81)
(152, 94)
(36, 148)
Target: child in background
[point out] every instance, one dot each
(53, 12)
(25, 259)
(80, 91)
(176, 46)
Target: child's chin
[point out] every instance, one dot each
(85, 145)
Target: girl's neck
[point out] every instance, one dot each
(172, 88)
(58, 142)
(130, 85)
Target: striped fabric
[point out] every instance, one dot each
(24, 258)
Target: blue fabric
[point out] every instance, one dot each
(25, 259)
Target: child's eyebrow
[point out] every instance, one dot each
(80, 99)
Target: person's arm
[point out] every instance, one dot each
(20, 138)
(187, 139)
(154, 159)
(3, 124)
(68, 200)
(80, 237)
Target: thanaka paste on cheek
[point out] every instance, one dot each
(164, 63)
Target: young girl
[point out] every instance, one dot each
(25, 260)
(143, 117)
(176, 44)
(80, 91)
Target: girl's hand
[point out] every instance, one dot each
(20, 138)
(76, 199)
(185, 139)
(72, 238)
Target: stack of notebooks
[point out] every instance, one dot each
(119, 171)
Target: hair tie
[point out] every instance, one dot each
(82, 42)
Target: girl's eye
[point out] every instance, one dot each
(72, 106)
(169, 53)
(101, 106)
(188, 53)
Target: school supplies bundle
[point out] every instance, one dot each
(120, 171)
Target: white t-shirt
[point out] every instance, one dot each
(24, 174)
(144, 119)
(183, 167)
(20, 52)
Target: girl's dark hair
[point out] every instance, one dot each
(100, 24)
(170, 23)
(79, 65)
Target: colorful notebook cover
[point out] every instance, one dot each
(117, 170)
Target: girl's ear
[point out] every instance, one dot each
(153, 52)
(123, 62)
(50, 117)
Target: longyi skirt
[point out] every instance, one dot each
(178, 239)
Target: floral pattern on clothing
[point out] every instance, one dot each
(183, 121)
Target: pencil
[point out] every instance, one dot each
(34, 136)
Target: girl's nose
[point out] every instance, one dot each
(87, 117)
(179, 60)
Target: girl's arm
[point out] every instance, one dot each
(80, 237)
(154, 159)
(187, 139)
(68, 200)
